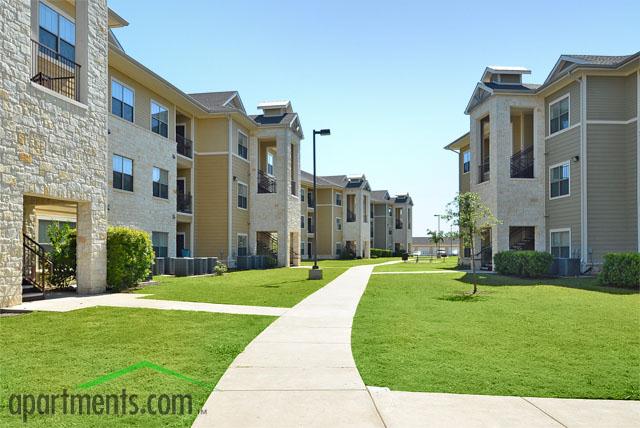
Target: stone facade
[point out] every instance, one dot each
(52, 146)
(140, 209)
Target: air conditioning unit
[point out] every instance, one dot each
(566, 267)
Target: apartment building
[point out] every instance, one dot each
(91, 137)
(557, 163)
(392, 218)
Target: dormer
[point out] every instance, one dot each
(504, 74)
(275, 108)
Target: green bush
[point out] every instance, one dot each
(62, 254)
(220, 269)
(129, 257)
(380, 252)
(530, 264)
(621, 270)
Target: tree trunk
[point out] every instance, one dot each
(473, 269)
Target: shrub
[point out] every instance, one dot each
(220, 269)
(621, 270)
(129, 257)
(62, 254)
(530, 264)
(380, 252)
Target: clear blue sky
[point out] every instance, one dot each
(390, 78)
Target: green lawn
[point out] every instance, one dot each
(554, 338)
(349, 263)
(283, 287)
(422, 264)
(49, 352)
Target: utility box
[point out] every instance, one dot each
(565, 267)
(184, 266)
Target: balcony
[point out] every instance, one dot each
(484, 171)
(294, 188)
(399, 224)
(311, 203)
(185, 146)
(183, 202)
(311, 228)
(266, 183)
(522, 164)
(351, 216)
(54, 71)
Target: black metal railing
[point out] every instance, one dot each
(183, 202)
(54, 71)
(351, 216)
(266, 183)
(311, 228)
(399, 224)
(185, 146)
(37, 268)
(294, 188)
(485, 169)
(311, 203)
(522, 164)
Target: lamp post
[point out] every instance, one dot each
(316, 272)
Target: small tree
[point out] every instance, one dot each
(437, 238)
(63, 254)
(471, 215)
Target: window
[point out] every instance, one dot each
(160, 183)
(559, 115)
(365, 208)
(121, 101)
(339, 199)
(310, 201)
(467, 252)
(270, 161)
(302, 192)
(160, 242)
(466, 158)
(338, 223)
(561, 243)
(409, 217)
(243, 245)
(159, 119)
(302, 222)
(243, 195)
(559, 180)
(243, 146)
(302, 248)
(57, 32)
(338, 248)
(309, 225)
(122, 173)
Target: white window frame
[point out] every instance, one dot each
(560, 230)
(556, 101)
(339, 224)
(272, 164)
(569, 169)
(336, 199)
(238, 195)
(65, 15)
(302, 248)
(463, 162)
(151, 102)
(238, 235)
(238, 144)
(113, 79)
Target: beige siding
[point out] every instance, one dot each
(240, 217)
(573, 89)
(323, 229)
(211, 206)
(611, 185)
(564, 212)
(212, 135)
(631, 98)
(608, 99)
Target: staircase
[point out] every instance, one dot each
(267, 245)
(486, 258)
(522, 238)
(37, 269)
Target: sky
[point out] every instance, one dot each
(391, 79)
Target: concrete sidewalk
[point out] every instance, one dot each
(299, 371)
(128, 300)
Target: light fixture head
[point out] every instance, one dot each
(322, 132)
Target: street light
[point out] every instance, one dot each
(315, 272)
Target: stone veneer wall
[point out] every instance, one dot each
(52, 146)
(140, 209)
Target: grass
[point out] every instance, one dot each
(50, 352)
(349, 263)
(283, 287)
(423, 264)
(551, 338)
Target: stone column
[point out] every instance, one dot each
(10, 248)
(91, 250)
(29, 226)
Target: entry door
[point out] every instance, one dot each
(179, 244)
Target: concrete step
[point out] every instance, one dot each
(31, 296)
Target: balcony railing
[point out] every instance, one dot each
(399, 224)
(185, 146)
(311, 228)
(266, 183)
(294, 188)
(311, 203)
(184, 203)
(484, 170)
(522, 164)
(351, 216)
(54, 71)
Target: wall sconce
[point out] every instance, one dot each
(576, 159)
(235, 178)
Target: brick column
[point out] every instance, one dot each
(91, 250)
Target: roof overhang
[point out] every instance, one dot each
(115, 20)
(459, 143)
(500, 69)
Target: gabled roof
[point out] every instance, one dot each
(567, 63)
(292, 120)
(484, 90)
(380, 196)
(322, 181)
(502, 69)
(403, 199)
(225, 101)
(458, 143)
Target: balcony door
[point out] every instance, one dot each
(181, 186)
(179, 244)
(181, 129)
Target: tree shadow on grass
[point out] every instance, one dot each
(463, 297)
(587, 284)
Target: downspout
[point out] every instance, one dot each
(229, 189)
(583, 172)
